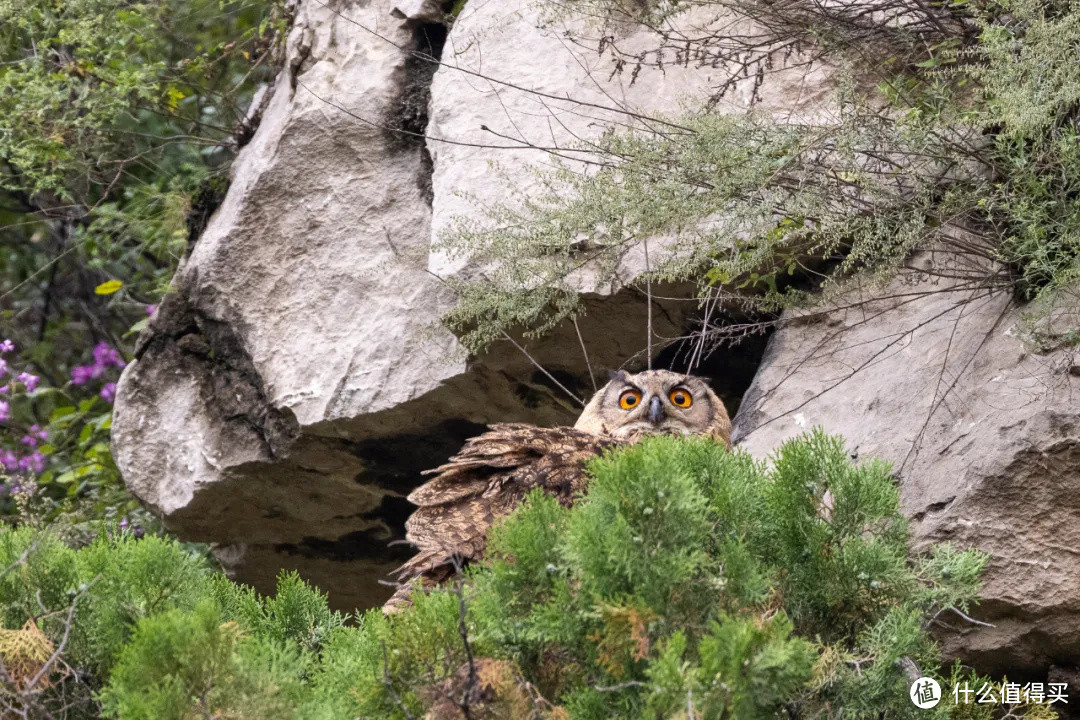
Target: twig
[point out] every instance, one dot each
(463, 631)
(588, 364)
(970, 619)
(19, 561)
(648, 304)
(620, 686)
(389, 685)
(541, 368)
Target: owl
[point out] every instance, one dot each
(493, 472)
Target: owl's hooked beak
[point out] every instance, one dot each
(656, 410)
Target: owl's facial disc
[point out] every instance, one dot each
(652, 402)
(654, 409)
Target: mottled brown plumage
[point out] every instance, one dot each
(487, 479)
(494, 471)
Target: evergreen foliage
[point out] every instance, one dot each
(144, 628)
(690, 582)
(191, 664)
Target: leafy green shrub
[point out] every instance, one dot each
(1029, 90)
(184, 664)
(55, 460)
(688, 577)
(690, 581)
(118, 123)
(692, 572)
(173, 632)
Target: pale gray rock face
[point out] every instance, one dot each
(983, 434)
(296, 379)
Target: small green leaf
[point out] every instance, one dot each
(108, 287)
(61, 412)
(137, 327)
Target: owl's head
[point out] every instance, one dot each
(655, 402)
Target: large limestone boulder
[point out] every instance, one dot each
(296, 379)
(932, 374)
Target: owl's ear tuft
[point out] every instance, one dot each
(619, 375)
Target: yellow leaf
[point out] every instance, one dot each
(173, 97)
(108, 287)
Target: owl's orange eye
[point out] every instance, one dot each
(681, 398)
(629, 399)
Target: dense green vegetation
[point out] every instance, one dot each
(691, 582)
(117, 122)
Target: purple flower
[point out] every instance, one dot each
(102, 352)
(5, 412)
(123, 523)
(38, 432)
(81, 374)
(151, 309)
(34, 462)
(104, 356)
(6, 345)
(30, 381)
(29, 440)
(9, 460)
(108, 392)
(3, 367)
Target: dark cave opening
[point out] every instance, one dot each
(729, 365)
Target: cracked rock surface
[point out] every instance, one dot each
(982, 431)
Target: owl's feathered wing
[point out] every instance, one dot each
(486, 480)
